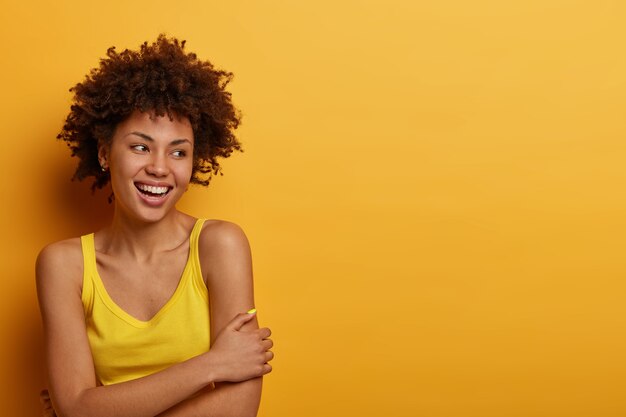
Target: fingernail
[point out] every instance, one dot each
(252, 311)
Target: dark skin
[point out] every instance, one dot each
(140, 259)
(161, 77)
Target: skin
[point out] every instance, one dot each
(140, 257)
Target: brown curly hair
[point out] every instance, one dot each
(160, 77)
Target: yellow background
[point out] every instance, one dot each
(434, 194)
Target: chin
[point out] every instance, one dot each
(145, 214)
(150, 208)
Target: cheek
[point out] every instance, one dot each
(185, 174)
(127, 162)
(123, 170)
(184, 171)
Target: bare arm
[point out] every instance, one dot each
(228, 400)
(227, 265)
(71, 374)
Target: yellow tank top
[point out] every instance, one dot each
(126, 348)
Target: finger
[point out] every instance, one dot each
(44, 396)
(269, 355)
(241, 319)
(267, 368)
(265, 333)
(267, 344)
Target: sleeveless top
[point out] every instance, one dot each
(125, 348)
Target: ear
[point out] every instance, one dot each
(103, 156)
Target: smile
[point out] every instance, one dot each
(152, 191)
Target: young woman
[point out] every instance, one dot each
(129, 312)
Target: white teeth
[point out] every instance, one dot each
(151, 189)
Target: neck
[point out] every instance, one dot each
(141, 239)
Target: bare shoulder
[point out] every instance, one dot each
(222, 236)
(224, 252)
(60, 263)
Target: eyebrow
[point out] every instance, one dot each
(149, 138)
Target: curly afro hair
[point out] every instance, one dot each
(163, 78)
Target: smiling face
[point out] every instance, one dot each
(150, 161)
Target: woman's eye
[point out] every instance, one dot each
(179, 154)
(140, 148)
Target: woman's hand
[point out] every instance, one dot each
(46, 402)
(239, 355)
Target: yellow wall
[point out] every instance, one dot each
(434, 192)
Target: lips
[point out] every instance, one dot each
(152, 190)
(153, 194)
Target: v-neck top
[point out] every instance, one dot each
(124, 347)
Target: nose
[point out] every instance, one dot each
(157, 166)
